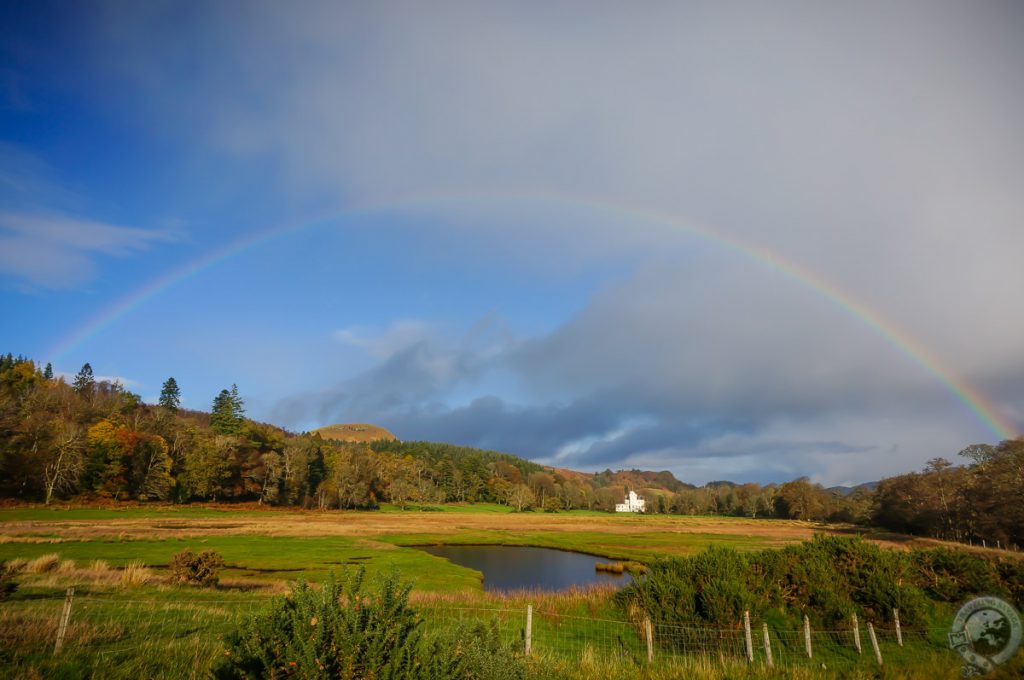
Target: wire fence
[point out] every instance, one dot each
(183, 637)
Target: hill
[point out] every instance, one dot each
(355, 432)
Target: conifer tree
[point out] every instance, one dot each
(48, 371)
(228, 409)
(170, 395)
(84, 381)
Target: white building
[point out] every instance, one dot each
(633, 504)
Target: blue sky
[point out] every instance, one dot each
(452, 220)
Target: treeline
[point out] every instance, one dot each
(980, 501)
(96, 440)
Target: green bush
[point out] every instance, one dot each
(341, 632)
(202, 569)
(827, 579)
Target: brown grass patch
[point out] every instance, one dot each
(135, 573)
(43, 564)
(16, 565)
(5, 538)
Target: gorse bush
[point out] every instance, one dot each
(828, 579)
(341, 632)
(202, 569)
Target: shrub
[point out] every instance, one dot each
(342, 632)
(202, 569)
(828, 579)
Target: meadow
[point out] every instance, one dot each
(128, 615)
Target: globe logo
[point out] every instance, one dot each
(986, 632)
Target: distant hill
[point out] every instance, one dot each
(355, 432)
(847, 490)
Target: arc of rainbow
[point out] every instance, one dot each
(898, 338)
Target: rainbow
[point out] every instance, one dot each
(977, 403)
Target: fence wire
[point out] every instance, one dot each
(132, 635)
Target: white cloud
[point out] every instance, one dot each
(57, 251)
(383, 343)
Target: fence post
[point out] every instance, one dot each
(899, 633)
(649, 634)
(856, 634)
(874, 643)
(746, 637)
(807, 637)
(529, 628)
(767, 645)
(65, 616)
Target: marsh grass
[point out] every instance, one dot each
(136, 574)
(43, 563)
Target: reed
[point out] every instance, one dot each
(610, 567)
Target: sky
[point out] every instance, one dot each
(747, 241)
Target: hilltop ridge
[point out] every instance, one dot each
(355, 432)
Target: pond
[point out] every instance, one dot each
(512, 567)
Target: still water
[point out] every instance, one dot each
(510, 567)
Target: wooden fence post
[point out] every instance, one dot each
(874, 643)
(747, 638)
(767, 645)
(649, 634)
(529, 628)
(807, 637)
(856, 633)
(65, 617)
(899, 633)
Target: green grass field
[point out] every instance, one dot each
(156, 629)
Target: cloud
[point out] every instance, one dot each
(755, 382)
(57, 251)
(877, 148)
(399, 335)
(891, 172)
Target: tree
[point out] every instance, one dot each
(63, 460)
(521, 497)
(48, 371)
(170, 395)
(84, 381)
(228, 409)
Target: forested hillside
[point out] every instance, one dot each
(95, 440)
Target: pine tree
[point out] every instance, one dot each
(227, 411)
(84, 381)
(170, 395)
(48, 371)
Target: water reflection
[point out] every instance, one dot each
(510, 567)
